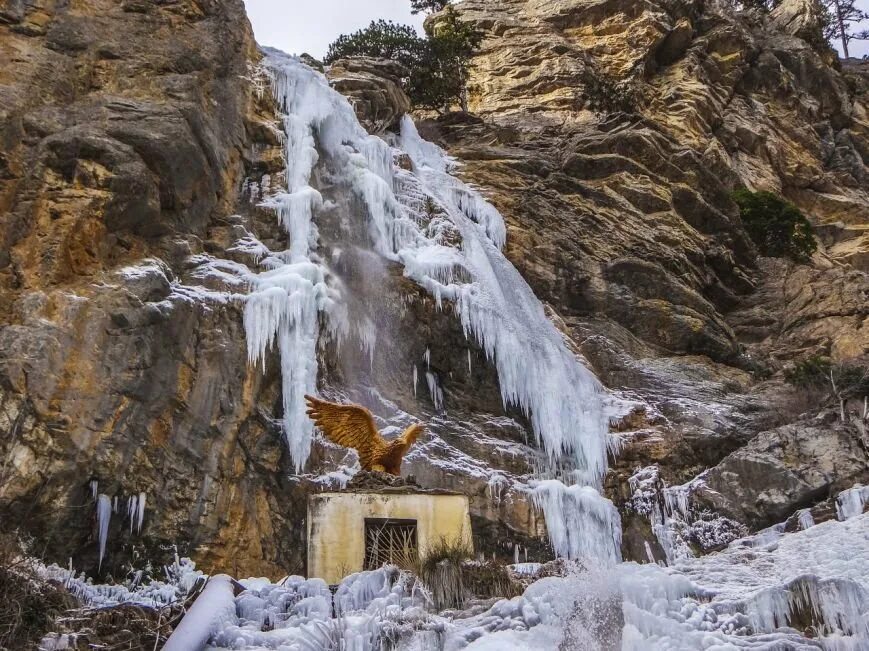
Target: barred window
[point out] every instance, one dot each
(389, 541)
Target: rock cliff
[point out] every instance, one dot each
(127, 130)
(138, 135)
(622, 222)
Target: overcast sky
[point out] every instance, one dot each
(298, 26)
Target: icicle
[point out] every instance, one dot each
(115, 504)
(434, 389)
(94, 488)
(427, 357)
(104, 516)
(140, 515)
(470, 370)
(649, 555)
(131, 510)
(415, 380)
(805, 519)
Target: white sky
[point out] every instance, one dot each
(298, 26)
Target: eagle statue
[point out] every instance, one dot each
(353, 427)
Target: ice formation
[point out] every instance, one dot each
(213, 609)
(582, 525)
(298, 613)
(181, 579)
(850, 502)
(536, 371)
(408, 216)
(104, 516)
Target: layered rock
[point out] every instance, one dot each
(373, 86)
(127, 130)
(623, 221)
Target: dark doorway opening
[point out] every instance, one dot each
(390, 541)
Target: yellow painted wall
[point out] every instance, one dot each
(336, 526)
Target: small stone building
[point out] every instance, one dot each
(356, 530)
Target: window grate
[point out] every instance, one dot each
(390, 542)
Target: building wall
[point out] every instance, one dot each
(336, 526)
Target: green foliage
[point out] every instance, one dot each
(846, 379)
(441, 76)
(381, 38)
(437, 64)
(427, 6)
(777, 227)
(606, 94)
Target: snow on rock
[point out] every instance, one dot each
(582, 525)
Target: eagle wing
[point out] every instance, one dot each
(349, 425)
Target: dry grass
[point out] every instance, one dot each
(29, 608)
(452, 578)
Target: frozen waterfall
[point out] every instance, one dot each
(408, 215)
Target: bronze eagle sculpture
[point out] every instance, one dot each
(353, 427)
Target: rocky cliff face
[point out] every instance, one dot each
(624, 225)
(138, 135)
(127, 130)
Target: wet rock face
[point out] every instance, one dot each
(127, 129)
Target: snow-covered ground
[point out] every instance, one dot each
(749, 595)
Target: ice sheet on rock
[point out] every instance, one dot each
(286, 300)
(536, 371)
(674, 522)
(582, 524)
(741, 598)
(824, 568)
(850, 502)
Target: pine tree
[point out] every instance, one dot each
(842, 15)
(381, 38)
(437, 65)
(427, 6)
